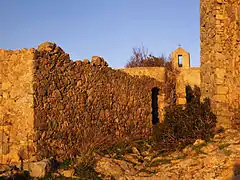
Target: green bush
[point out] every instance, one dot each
(183, 124)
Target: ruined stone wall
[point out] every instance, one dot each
(185, 77)
(54, 106)
(158, 73)
(220, 39)
(77, 103)
(16, 104)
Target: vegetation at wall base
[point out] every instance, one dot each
(183, 124)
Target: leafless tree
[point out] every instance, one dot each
(142, 58)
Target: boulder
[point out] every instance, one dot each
(98, 61)
(68, 173)
(40, 169)
(46, 46)
(86, 61)
(199, 142)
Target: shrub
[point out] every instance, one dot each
(183, 124)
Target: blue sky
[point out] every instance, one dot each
(108, 28)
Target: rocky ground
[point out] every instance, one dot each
(202, 160)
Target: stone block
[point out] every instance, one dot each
(4, 148)
(181, 101)
(40, 169)
(68, 173)
(220, 89)
(5, 95)
(223, 121)
(220, 98)
(219, 81)
(6, 85)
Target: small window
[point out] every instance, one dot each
(180, 61)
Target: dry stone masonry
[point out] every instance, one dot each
(49, 103)
(16, 104)
(220, 37)
(187, 76)
(72, 97)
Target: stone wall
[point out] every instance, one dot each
(57, 107)
(157, 73)
(187, 76)
(220, 63)
(16, 104)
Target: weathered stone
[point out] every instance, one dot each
(199, 142)
(132, 158)
(68, 173)
(145, 153)
(135, 151)
(147, 158)
(4, 148)
(46, 46)
(108, 167)
(220, 98)
(40, 169)
(220, 52)
(209, 148)
(221, 89)
(86, 61)
(5, 144)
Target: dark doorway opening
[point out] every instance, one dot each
(189, 94)
(193, 94)
(155, 118)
